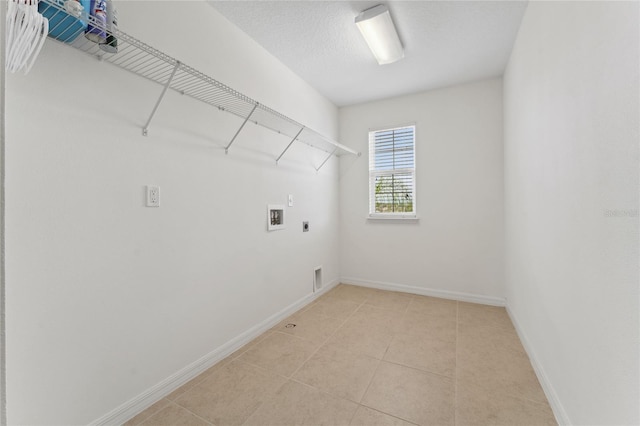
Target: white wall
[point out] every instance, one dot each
(571, 179)
(3, 419)
(107, 298)
(456, 247)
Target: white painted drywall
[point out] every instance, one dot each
(3, 399)
(457, 244)
(571, 179)
(105, 297)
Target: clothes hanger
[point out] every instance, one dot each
(27, 30)
(44, 31)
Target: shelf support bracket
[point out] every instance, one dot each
(290, 143)
(145, 129)
(226, 149)
(327, 159)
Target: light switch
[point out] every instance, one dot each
(290, 200)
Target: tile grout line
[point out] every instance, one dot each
(201, 418)
(291, 377)
(444, 376)
(322, 391)
(203, 376)
(369, 385)
(349, 400)
(237, 359)
(404, 313)
(375, 409)
(322, 345)
(374, 374)
(266, 371)
(261, 369)
(327, 339)
(510, 395)
(379, 361)
(267, 398)
(184, 408)
(496, 328)
(177, 405)
(395, 332)
(140, 422)
(305, 339)
(151, 416)
(387, 414)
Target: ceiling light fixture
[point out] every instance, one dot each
(378, 30)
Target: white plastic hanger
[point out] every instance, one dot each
(27, 30)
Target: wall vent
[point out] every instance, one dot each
(317, 278)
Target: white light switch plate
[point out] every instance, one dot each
(290, 200)
(153, 196)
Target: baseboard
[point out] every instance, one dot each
(138, 404)
(556, 406)
(444, 294)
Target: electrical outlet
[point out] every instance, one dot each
(153, 196)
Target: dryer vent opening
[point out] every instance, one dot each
(317, 278)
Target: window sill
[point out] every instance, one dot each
(401, 218)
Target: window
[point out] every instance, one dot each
(392, 173)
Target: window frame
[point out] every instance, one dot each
(374, 173)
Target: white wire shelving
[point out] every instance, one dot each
(145, 61)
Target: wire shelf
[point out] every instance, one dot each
(145, 61)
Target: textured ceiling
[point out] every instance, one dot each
(446, 43)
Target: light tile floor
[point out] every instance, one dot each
(359, 356)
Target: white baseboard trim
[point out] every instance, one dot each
(444, 294)
(556, 406)
(154, 394)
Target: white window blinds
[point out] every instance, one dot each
(392, 172)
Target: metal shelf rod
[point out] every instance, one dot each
(155, 108)
(327, 159)
(226, 149)
(290, 143)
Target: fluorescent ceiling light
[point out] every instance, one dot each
(378, 30)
